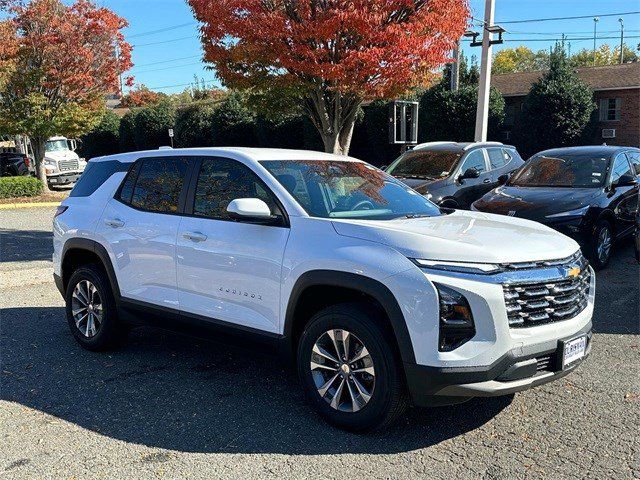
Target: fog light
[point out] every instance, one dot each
(456, 320)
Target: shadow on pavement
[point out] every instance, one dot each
(178, 393)
(25, 245)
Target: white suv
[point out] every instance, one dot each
(376, 295)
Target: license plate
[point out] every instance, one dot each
(574, 350)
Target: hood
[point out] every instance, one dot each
(423, 185)
(464, 236)
(535, 203)
(58, 155)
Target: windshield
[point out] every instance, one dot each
(578, 170)
(424, 164)
(346, 189)
(56, 145)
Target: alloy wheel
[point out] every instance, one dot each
(342, 370)
(604, 244)
(86, 308)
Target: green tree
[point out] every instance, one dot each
(194, 125)
(604, 55)
(556, 110)
(152, 124)
(126, 131)
(104, 139)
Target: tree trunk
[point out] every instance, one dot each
(37, 144)
(334, 116)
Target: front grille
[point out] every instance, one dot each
(68, 165)
(531, 304)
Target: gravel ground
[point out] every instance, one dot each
(166, 406)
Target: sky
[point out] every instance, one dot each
(167, 52)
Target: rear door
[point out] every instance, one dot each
(471, 189)
(139, 227)
(229, 270)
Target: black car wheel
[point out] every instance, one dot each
(91, 309)
(349, 372)
(601, 244)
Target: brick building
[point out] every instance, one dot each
(616, 91)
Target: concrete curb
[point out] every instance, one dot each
(11, 206)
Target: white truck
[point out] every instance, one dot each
(62, 164)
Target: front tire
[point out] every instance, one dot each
(349, 372)
(91, 309)
(600, 245)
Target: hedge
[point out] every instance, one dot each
(19, 187)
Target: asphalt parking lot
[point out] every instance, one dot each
(166, 406)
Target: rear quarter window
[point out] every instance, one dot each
(94, 175)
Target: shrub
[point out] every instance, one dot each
(557, 110)
(194, 125)
(125, 131)
(20, 187)
(102, 140)
(152, 124)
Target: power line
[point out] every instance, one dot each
(554, 39)
(171, 40)
(169, 68)
(160, 30)
(204, 82)
(168, 61)
(567, 18)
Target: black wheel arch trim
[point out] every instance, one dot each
(99, 250)
(352, 281)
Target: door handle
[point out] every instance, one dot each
(194, 236)
(114, 222)
(486, 180)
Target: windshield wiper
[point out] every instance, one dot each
(416, 215)
(420, 177)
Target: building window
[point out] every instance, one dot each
(609, 109)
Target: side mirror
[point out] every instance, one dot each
(626, 180)
(502, 179)
(250, 210)
(469, 173)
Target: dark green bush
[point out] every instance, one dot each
(103, 139)
(152, 124)
(19, 187)
(125, 131)
(194, 125)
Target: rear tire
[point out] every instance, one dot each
(91, 309)
(371, 389)
(600, 245)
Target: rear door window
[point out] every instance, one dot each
(620, 167)
(634, 157)
(497, 158)
(158, 185)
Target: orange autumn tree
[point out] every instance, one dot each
(329, 55)
(57, 63)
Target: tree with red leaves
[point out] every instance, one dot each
(330, 55)
(57, 65)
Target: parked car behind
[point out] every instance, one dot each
(14, 164)
(587, 193)
(455, 174)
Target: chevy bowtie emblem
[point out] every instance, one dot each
(573, 272)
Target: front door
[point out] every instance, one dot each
(139, 227)
(471, 189)
(229, 270)
(625, 198)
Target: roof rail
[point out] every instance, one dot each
(433, 144)
(478, 144)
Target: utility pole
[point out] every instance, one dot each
(595, 29)
(621, 20)
(482, 112)
(455, 68)
(119, 70)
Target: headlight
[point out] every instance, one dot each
(579, 212)
(456, 320)
(52, 163)
(459, 267)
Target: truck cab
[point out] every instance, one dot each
(62, 164)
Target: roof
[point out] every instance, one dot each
(456, 146)
(611, 77)
(253, 154)
(601, 150)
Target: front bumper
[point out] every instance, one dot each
(517, 370)
(63, 178)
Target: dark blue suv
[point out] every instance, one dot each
(454, 174)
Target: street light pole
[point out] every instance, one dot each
(621, 40)
(482, 112)
(595, 25)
